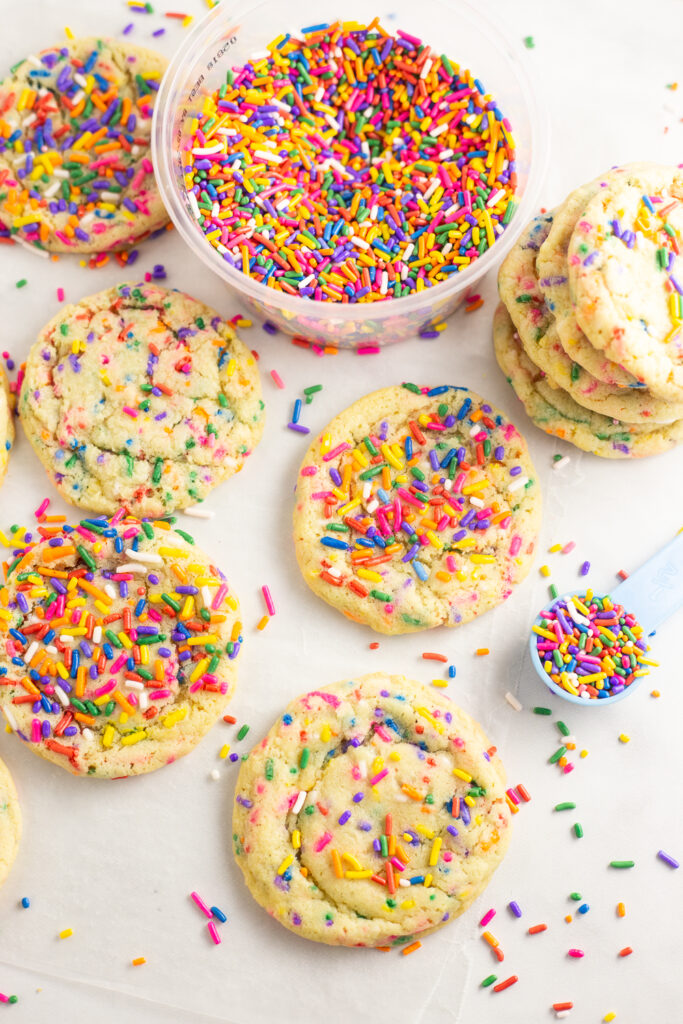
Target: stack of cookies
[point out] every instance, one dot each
(589, 331)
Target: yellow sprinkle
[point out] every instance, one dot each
(544, 570)
(623, 738)
(554, 548)
(285, 864)
(108, 736)
(173, 717)
(296, 839)
(439, 682)
(66, 934)
(68, 33)
(584, 753)
(358, 874)
(609, 1016)
(434, 853)
(427, 881)
(407, 904)
(352, 861)
(325, 733)
(224, 751)
(133, 737)
(462, 775)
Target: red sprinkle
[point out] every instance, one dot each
(505, 984)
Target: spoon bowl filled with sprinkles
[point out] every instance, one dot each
(342, 165)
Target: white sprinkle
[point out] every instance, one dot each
(145, 556)
(199, 512)
(512, 701)
(192, 200)
(333, 123)
(306, 281)
(110, 197)
(271, 158)
(11, 720)
(52, 191)
(432, 189)
(259, 55)
(214, 774)
(61, 696)
(80, 80)
(561, 462)
(32, 59)
(29, 120)
(518, 483)
(409, 251)
(30, 652)
(448, 485)
(88, 734)
(404, 883)
(385, 283)
(206, 595)
(495, 196)
(65, 638)
(357, 240)
(445, 154)
(208, 150)
(299, 802)
(372, 506)
(426, 67)
(439, 129)
(75, 100)
(477, 502)
(132, 567)
(52, 649)
(334, 572)
(143, 700)
(227, 131)
(43, 253)
(133, 684)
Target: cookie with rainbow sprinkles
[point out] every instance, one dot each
(75, 168)
(416, 507)
(118, 644)
(140, 396)
(374, 811)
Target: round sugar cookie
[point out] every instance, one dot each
(359, 788)
(416, 508)
(556, 412)
(10, 822)
(140, 396)
(75, 155)
(6, 424)
(121, 647)
(519, 289)
(626, 276)
(551, 270)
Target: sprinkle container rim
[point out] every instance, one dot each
(341, 317)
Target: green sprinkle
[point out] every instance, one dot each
(303, 760)
(112, 638)
(542, 711)
(529, 42)
(622, 863)
(576, 896)
(156, 474)
(171, 602)
(313, 390)
(554, 758)
(553, 591)
(244, 729)
(384, 848)
(563, 728)
(20, 284)
(148, 531)
(413, 387)
(380, 595)
(489, 981)
(186, 536)
(86, 557)
(269, 769)
(566, 806)
(578, 831)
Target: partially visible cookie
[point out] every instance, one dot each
(416, 507)
(119, 648)
(10, 822)
(373, 812)
(520, 291)
(6, 424)
(75, 159)
(551, 270)
(556, 413)
(626, 275)
(140, 396)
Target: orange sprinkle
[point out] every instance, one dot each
(431, 656)
(621, 910)
(536, 928)
(482, 650)
(411, 948)
(138, 961)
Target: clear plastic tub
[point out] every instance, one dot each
(236, 29)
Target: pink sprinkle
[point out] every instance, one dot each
(35, 730)
(159, 694)
(42, 508)
(568, 768)
(130, 412)
(107, 688)
(309, 470)
(321, 843)
(568, 547)
(368, 350)
(382, 733)
(337, 451)
(60, 295)
(86, 533)
(218, 597)
(576, 953)
(378, 778)
(515, 544)
(268, 599)
(213, 932)
(277, 378)
(201, 904)
(488, 916)
(4, 998)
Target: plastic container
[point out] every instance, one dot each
(232, 32)
(554, 688)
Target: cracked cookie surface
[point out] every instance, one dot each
(10, 822)
(373, 811)
(416, 508)
(140, 396)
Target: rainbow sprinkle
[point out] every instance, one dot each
(350, 165)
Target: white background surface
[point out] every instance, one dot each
(116, 861)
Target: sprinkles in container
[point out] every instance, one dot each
(337, 166)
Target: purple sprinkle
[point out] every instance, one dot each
(583, 571)
(668, 859)
(299, 428)
(343, 818)
(514, 908)
(357, 797)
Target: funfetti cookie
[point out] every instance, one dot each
(75, 168)
(556, 412)
(553, 275)
(10, 822)
(6, 424)
(520, 291)
(416, 507)
(120, 645)
(373, 812)
(140, 396)
(626, 276)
